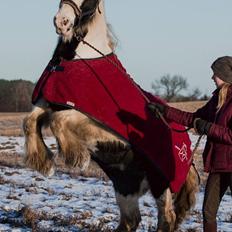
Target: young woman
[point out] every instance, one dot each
(214, 120)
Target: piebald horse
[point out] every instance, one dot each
(81, 139)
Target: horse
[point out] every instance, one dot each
(84, 34)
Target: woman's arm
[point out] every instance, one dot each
(187, 118)
(179, 116)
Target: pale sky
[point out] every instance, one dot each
(156, 37)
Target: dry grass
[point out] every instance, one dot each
(11, 125)
(17, 161)
(188, 106)
(29, 217)
(11, 159)
(32, 218)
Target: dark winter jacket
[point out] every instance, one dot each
(217, 155)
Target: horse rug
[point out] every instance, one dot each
(101, 89)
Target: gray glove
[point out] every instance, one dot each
(157, 108)
(201, 126)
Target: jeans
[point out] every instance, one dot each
(216, 187)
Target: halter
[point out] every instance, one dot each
(74, 6)
(81, 16)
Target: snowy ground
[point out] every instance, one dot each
(31, 202)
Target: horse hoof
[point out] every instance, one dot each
(124, 229)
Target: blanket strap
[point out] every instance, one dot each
(147, 100)
(81, 39)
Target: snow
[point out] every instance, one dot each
(81, 204)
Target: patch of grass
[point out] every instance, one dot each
(2, 180)
(32, 217)
(11, 125)
(11, 159)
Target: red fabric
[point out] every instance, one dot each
(218, 149)
(99, 89)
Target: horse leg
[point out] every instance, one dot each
(127, 197)
(124, 169)
(186, 197)
(129, 212)
(166, 214)
(38, 156)
(70, 130)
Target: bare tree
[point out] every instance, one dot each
(195, 94)
(169, 86)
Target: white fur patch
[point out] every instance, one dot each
(51, 171)
(85, 165)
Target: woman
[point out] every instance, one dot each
(214, 120)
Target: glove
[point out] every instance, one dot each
(201, 126)
(157, 108)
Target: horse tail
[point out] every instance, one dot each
(186, 198)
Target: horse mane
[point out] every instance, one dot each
(64, 50)
(113, 40)
(110, 33)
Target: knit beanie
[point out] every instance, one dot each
(222, 68)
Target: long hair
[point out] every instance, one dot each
(223, 95)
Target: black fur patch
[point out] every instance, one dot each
(88, 8)
(113, 153)
(65, 50)
(126, 182)
(112, 147)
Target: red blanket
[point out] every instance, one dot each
(101, 90)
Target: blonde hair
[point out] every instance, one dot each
(223, 95)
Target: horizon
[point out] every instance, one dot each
(155, 39)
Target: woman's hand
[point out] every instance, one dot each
(157, 108)
(201, 126)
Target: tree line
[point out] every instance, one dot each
(171, 89)
(15, 95)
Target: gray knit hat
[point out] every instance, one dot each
(222, 68)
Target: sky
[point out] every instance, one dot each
(155, 38)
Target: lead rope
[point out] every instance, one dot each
(195, 149)
(146, 98)
(197, 143)
(135, 85)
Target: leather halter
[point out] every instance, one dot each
(82, 16)
(74, 6)
(79, 12)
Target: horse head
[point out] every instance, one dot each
(74, 16)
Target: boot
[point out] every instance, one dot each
(210, 227)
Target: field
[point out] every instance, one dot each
(72, 200)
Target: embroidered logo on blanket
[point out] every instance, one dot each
(183, 152)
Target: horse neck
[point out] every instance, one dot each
(97, 36)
